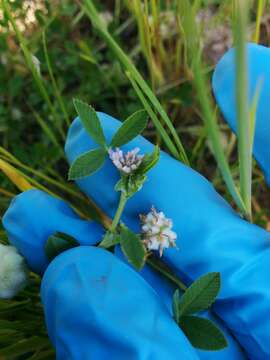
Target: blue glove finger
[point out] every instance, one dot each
(166, 290)
(259, 78)
(34, 215)
(96, 307)
(211, 236)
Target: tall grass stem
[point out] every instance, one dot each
(244, 126)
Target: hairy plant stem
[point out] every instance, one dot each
(119, 211)
(163, 269)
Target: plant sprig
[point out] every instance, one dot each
(133, 169)
(129, 183)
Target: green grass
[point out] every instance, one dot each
(118, 66)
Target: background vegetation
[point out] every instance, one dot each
(52, 51)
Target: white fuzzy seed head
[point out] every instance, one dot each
(126, 162)
(13, 272)
(157, 231)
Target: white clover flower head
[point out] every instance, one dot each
(36, 63)
(157, 231)
(107, 17)
(13, 272)
(126, 162)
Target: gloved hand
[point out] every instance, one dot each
(95, 305)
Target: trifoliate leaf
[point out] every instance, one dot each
(133, 248)
(200, 295)
(130, 128)
(90, 121)
(149, 161)
(110, 239)
(86, 164)
(57, 243)
(202, 333)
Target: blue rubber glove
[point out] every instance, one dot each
(35, 215)
(212, 236)
(31, 218)
(209, 232)
(96, 307)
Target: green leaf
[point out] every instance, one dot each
(90, 121)
(175, 305)
(203, 333)
(201, 294)
(149, 161)
(57, 243)
(86, 164)
(131, 184)
(130, 128)
(110, 239)
(133, 248)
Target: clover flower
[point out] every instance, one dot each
(157, 231)
(107, 17)
(126, 162)
(167, 24)
(13, 272)
(36, 64)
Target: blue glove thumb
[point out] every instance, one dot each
(97, 307)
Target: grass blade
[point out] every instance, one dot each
(261, 4)
(44, 126)
(15, 176)
(243, 117)
(166, 138)
(54, 83)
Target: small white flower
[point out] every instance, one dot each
(107, 17)
(157, 231)
(126, 162)
(16, 113)
(13, 272)
(36, 63)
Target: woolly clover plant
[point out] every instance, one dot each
(132, 167)
(156, 229)
(13, 272)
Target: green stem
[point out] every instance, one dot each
(163, 269)
(121, 206)
(53, 80)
